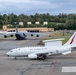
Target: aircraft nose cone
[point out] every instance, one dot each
(7, 53)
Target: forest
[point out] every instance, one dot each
(59, 22)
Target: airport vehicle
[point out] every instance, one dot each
(24, 34)
(43, 52)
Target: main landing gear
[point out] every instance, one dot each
(15, 58)
(43, 57)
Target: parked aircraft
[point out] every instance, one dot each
(43, 52)
(24, 34)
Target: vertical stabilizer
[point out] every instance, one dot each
(71, 41)
(16, 28)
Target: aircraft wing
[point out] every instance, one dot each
(31, 35)
(35, 33)
(43, 53)
(24, 34)
(39, 55)
(5, 33)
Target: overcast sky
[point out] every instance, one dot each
(30, 7)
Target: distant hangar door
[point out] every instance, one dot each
(33, 30)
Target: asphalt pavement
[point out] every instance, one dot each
(54, 65)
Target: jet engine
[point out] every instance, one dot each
(37, 35)
(5, 36)
(32, 35)
(32, 56)
(11, 35)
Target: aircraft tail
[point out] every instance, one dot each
(71, 41)
(16, 28)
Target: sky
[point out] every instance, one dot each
(30, 7)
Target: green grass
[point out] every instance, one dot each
(66, 39)
(58, 35)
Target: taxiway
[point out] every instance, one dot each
(54, 65)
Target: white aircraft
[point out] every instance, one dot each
(43, 52)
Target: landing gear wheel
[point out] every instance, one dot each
(44, 57)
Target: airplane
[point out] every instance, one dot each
(24, 34)
(44, 52)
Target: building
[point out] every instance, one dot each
(45, 23)
(21, 23)
(29, 23)
(44, 29)
(37, 22)
(4, 27)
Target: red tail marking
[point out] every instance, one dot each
(72, 39)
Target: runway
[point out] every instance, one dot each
(54, 65)
(24, 66)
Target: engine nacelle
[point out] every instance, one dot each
(32, 35)
(37, 35)
(5, 36)
(11, 35)
(32, 56)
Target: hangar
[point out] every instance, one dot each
(37, 29)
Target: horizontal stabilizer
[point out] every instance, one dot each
(68, 52)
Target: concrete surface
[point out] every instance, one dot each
(23, 66)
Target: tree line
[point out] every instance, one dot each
(59, 22)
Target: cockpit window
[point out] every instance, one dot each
(11, 51)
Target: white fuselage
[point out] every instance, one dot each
(25, 51)
(43, 52)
